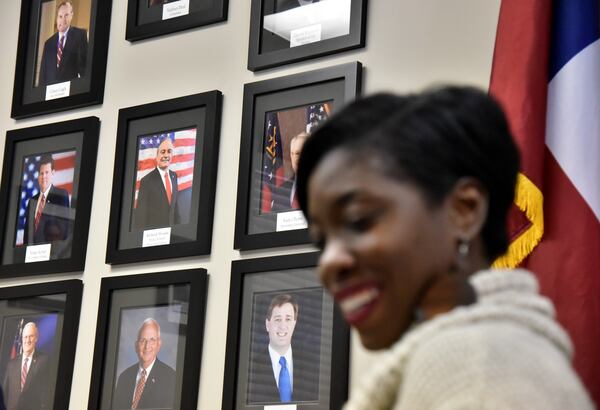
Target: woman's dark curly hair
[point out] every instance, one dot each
(430, 139)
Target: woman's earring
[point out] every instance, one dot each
(463, 248)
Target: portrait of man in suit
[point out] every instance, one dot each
(158, 193)
(65, 52)
(284, 198)
(26, 381)
(149, 383)
(280, 372)
(47, 213)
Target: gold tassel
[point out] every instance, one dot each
(530, 200)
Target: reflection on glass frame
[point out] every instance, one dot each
(286, 31)
(151, 18)
(61, 58)
(282, 327)
(164, 179)
(38, 331)
(149, 327)
(47, 180)
(278, 116)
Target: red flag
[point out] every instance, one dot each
(550, 93)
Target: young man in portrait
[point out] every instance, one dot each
(150, 383)
(279, 372)
(47, 213)
(26, 382)
(65, 52)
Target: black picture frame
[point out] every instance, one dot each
(177, 301)
(256, 282)
(85, 82)
(145, 20)
(197, 113)
(258, 224)
(73, 147)
(54, 307)
(329, 28)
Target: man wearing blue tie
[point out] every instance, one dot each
(280, 373)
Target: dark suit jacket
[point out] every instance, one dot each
(159, 2)
(54, 223)
(158, 393)
(262, 387)
(36, 390)
(73, 60)
(283, 5)
(282, 197)
(153, 209)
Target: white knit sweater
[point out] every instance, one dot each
(504, 352)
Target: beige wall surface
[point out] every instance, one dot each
(410, 44)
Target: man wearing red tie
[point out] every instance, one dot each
(157, 197)
(150, 383)
(65, 52)
(48, 211)
(26, 380)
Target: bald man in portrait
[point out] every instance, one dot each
(157, 197)
(149, 383)
(26, 381)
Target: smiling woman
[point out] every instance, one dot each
(408, 198)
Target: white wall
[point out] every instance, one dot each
(410, 44)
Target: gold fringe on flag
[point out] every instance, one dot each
(530, 200)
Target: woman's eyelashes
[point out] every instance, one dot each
(363, 221)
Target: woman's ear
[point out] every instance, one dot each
(468, 202)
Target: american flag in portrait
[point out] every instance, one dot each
(17, 345)
(64, 171)
(184, 143)
(315, 114)
(273, 172)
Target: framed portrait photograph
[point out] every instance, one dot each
(281, 331)
(38, 336)
(278, 116)
(47, 185)
(164, 179)
(151, 18)
(287, 31)
(149, 341)
(61, 58)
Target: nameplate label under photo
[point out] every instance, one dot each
(156, 237)
(38, 253)
(282, 407)
(59, 90)
(289, 221)
(305, 35)
(176, 9)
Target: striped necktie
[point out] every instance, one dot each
(24, 371)
(59, 50)
(38, 214)
(139, 389)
